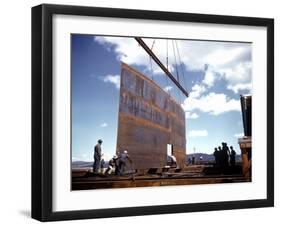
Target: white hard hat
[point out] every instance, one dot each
(125, 151)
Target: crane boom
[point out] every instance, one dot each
(166, 71)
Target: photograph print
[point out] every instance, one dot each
(159, 112)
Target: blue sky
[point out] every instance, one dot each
(215, 74)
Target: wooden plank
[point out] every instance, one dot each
(78, 185)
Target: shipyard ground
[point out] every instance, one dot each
(83, 179)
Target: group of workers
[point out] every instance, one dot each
(116, 164)
(224, 156)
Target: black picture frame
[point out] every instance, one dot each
(42, 111)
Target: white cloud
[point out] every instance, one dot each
(218, 60)
(213, 103)
(198, 133)
(127, 49)
(223, 56)
(209, 78)
(168, 88)
(197, 90)
(238, 77)
(114, 79)
(104, 125)
(237, 74)
(240, 87)
(130, 52)
(230, 65)
(191, 115)
(239, 135)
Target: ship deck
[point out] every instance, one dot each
(84, 179)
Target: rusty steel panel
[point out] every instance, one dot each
(180, 155)
(148, 120)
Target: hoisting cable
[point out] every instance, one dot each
(177, 72)
(150, 59)
(181, 65)
(167, 62)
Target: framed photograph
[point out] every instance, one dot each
(145, 112)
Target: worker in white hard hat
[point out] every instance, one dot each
(122, 162)
(112, 164)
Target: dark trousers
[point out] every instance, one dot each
(232, 161)
(121, 166)
(96, 165)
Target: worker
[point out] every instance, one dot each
(193, 160)
(227, 154)
(112, 164)
(224, 154)
(97, 156)
(216, 155)
(117, 170)
(220, 156)
(122, 160)
(232, 156)
(102, 164)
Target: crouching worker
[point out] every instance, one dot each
(122, 162)
(112, 165)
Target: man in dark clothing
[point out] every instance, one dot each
(220, 160)
(193, 160)
(232, 156)
(227, 154)
(225, 151)
(122, 162)
(216, 155)
(97, 156)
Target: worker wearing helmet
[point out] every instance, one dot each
(112, 164)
